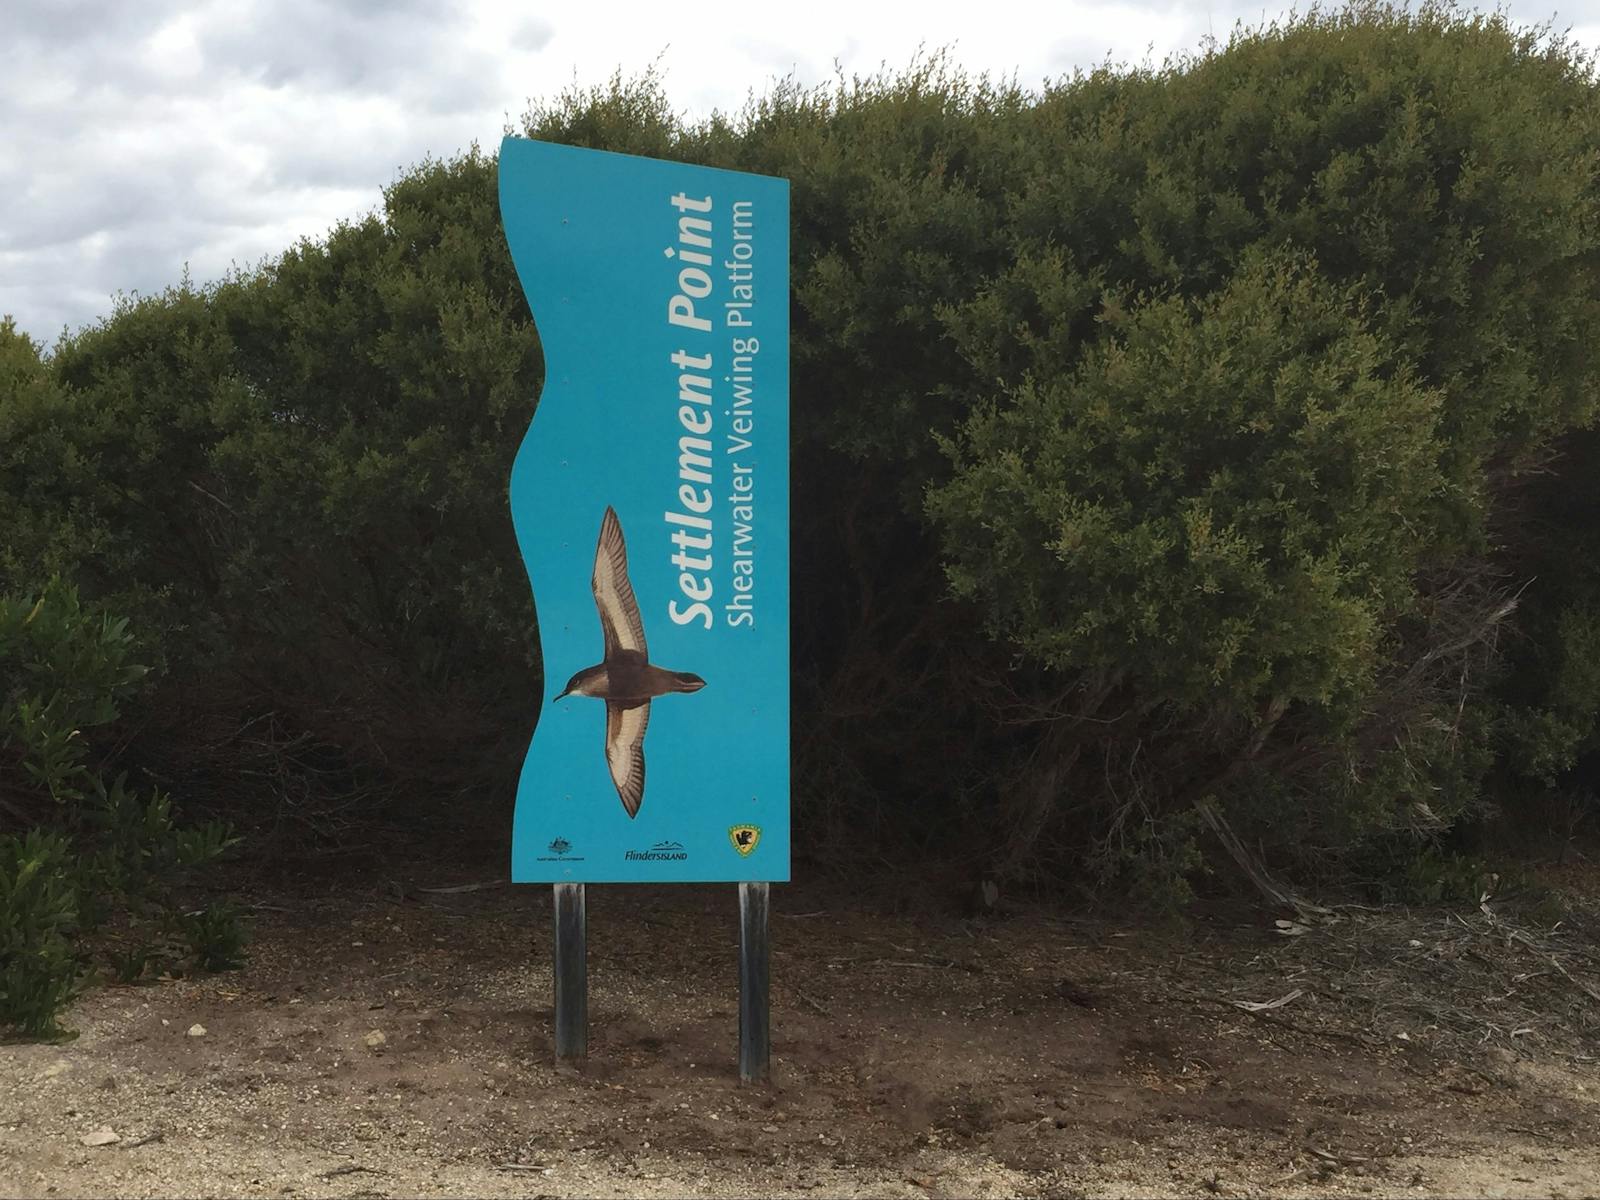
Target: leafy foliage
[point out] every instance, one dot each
(1219, 504)
(215, 937)
(98, 854)
(39, 970)
(66, 670)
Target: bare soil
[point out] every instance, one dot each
(1429, 1053)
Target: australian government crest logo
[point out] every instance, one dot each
(560, 851)
(745, 838)
(660, 852)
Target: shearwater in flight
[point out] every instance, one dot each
(626, 680)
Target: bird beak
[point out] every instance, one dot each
(563, 695)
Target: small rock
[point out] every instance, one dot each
(196, 1030)
(59, 1067)
(769, 1129)
(100, 1137)
(375, 1039)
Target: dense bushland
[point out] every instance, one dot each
(1181, 453)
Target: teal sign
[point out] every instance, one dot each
(651, 503)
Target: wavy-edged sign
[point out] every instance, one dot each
(651, 503)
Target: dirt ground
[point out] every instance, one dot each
(1428, 1053)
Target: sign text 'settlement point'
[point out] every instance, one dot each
(692, 532)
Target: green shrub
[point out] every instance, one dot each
(100, 853)
(215, 937)
(63, 671)
(1220, 504)
(39, 967)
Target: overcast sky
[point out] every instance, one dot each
(138, 137)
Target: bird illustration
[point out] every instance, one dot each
(626, 679)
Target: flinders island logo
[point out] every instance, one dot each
(744, 838)
(660, 852)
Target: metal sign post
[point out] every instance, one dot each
(755, 958)
(571, 973)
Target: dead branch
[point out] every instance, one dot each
(1253, 868)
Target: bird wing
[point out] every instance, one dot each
(625, 726)
(620, 622)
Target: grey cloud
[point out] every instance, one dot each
(58, 191)
(81, 48)
(415, 49)
(532, 34)
(75, 24)
(64, 216)
(65, 61)
(129, 154)
(340, 162)
(783, 59)
(1084, 51)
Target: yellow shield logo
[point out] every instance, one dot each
(744, 838)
